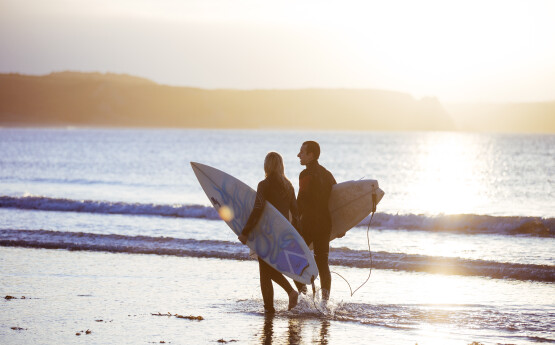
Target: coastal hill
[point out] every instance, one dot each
(96, 99)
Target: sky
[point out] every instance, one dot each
(457, 51)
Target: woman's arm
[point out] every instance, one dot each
(256, 212)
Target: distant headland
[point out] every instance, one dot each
(96, 99)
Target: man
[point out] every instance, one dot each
(315, 184)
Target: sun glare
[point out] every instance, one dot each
(431, 47)
(444, 180)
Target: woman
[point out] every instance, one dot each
(278, 191)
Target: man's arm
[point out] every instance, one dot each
(303, 197)
(293, 208)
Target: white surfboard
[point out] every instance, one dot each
(273, 238)
(350, 202)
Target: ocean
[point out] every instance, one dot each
(467, 223)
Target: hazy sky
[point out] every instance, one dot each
(456, 50)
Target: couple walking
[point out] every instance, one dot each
(310, 216)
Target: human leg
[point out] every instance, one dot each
(270, 274)
(321, 254)
(284, 283)
(307, 236)
(266, 286)
(276, 276)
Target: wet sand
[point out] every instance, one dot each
(99, 298)
(114, 296)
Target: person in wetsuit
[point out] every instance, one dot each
(279, 191)
(315, 183)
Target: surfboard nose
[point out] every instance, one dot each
(196, 166)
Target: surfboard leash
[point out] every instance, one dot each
(350, 288)
(370, 255)
(374, 204)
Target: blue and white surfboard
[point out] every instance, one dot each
(273, 238)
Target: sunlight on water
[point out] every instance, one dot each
(443, 290)
(445, 180)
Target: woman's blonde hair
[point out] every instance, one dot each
(273, 164)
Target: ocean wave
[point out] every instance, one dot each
(464, 223)
(105, 207)
(235, 251)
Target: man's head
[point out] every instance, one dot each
(310, 151)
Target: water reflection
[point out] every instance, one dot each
(324, 332)
(270, 334)
(294, 331)
(268, 331)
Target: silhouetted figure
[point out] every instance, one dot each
(315, 184)
(279, 192)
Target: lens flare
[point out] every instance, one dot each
(226, 213)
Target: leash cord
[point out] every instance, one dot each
(369, 253)
(367, 279)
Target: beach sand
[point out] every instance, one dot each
(114, 296)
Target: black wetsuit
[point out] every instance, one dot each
(315, 183)
(283, 199)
